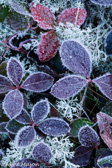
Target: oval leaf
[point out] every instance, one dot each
(23, 117)
(105, 162)
(75, 57)
(2, 127)
(17, 23)
(88, 137)
(82, 156)
(72, 15)
(19, 7)
(101, 2)
(105, 84)
(3, 66)
(48, 46)
(105, 127)
(13, 103)
(42, 152)
(43, 16)
(3, 13)
(26, 163)
(25, 136)
(54, 127)
(13, 126)
(108, 44)
(68, 86)
(14, 71)
(5, 84)
(38, 82)
(77, 124)
(40, 110)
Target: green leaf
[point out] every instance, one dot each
(108, 108)
(16, 22)
(3, 13)
(3, 68)
(77, 124)
(13, 126)
(104, 161)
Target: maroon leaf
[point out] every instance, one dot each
(14, 71)
(26, 163)
(68, 86)
(82, 156)
(2, 127)
(88, 137)
(25, 136)
(40, 110)
(105, 84)
(23, 117)
(38, 82)
(75, 57)
(42, 152)
(102, 2)
(48, 46)
(43, 16)
(5, 84)
(54, 127)
(105, 127)
(72, 15)
(13, 103)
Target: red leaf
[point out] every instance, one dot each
(43, 16)
(48, 46)
(105, 127)
(105, 84)
(72, 15)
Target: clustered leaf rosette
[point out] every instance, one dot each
(77, 59)
(49, 42)
(36, 82)
(26, 134)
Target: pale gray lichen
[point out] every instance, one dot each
(60, 149)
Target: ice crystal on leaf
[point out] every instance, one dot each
(42, 152)
(13, 103)
(72, 15)
(88, 137)
(23, 117)
(48, 46)
(5, 84)
(102, 2)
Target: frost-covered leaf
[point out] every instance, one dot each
(16, 22)
(5, 84)
(2, 127)
(26, 163)
(40, 110)
(19, 7)
(102, 153)
(108, 44)
(48, 46)
(75, 57)
(3, 13)
(43, 16)
(54, 127)
(3, 66)
(72, 15)
(105, 162)
(42, 152)
(25, 136)
(88, 137)
(68, 86)
(13, 103)
(38, 82)
(105, 127)
(104, 83)
(77, 124)
(82, 156)
(23, 117)
(107, 108)
(13, 126)
(14, 71)
(102, 2)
